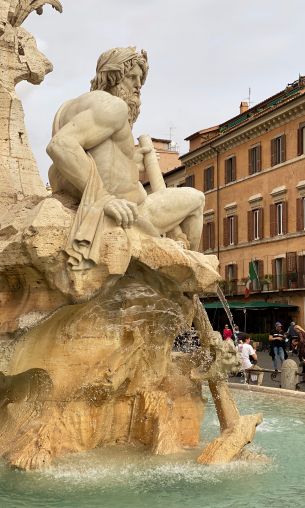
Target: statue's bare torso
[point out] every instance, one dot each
(114, 156)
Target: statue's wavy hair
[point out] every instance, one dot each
(113, 65)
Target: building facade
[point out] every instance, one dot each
(252, 170)
(172, 169)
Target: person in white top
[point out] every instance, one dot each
(246, 350)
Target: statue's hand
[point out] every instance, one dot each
(139, 157)
(124, 212)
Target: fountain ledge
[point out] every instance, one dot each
(268, 389)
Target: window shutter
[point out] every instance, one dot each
(250, 168)
(291, 262)
(273, 220)
(283, 148)
(235, 270)
(225, 232)
(260, 264)
(300, 215)
(284, 274)
(233, 169)
(285, 217)
(212, 235)
(235, 229)
(261, 223)
(259, 158)
(301, 278)
(226, 172)
(250, 226)
(273, 152)
(204, 237)
(300, 141)
(273, 274)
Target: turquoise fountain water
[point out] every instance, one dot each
(122, 479)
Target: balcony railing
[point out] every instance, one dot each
(267, 283)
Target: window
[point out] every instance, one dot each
(254, 155)
(230, 272)
(278, 150)
(208, 179)
(190, 181)
(255, 224)
(279, 273)
(208, 236)
(230, 170)
(231, 278)
(259, 269)
(278, 218)
(230, 230)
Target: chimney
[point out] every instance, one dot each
(244, 106)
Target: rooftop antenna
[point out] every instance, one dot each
(173, 146)
(249, 97)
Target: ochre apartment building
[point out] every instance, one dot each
(252, 170)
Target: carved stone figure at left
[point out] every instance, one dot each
(20, 60)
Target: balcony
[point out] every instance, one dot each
(282, 281)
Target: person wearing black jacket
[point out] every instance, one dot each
(277, 345)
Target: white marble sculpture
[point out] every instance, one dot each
(94, 158)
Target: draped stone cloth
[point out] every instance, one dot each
(89, 230)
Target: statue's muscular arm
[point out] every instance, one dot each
(92, 124)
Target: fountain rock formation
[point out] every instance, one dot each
(97, 281)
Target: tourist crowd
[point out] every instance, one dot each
(279, 340)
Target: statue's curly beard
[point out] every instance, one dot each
(132, 100)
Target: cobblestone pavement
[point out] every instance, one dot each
(265, 361)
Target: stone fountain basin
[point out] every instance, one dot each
(116, 478)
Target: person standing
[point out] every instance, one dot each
(246, 351)
(301, 347)
(277, 345)
(293, 337)
(227, 333)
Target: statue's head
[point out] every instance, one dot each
(29, 63)
(122, 72)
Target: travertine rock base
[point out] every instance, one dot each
(107, 377)
(229, 444)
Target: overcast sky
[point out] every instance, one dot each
(203, 56)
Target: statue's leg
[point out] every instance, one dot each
(168, 209)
